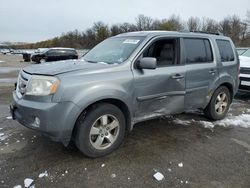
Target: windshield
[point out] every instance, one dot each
(241, 51)
(246, 53)
(113, 50)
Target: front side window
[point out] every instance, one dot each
(226, 51)
(165, 52)
(113, 50)
(198, 50)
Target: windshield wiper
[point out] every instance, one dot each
(91, 61)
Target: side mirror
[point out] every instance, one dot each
(147, 63)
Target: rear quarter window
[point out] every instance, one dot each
(226, 50)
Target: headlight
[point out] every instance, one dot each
(42, 85)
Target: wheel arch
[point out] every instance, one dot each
(116, 102)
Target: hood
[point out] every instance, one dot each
(60, 67)
(244, 61)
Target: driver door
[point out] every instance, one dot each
(160, 91)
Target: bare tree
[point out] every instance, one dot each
(210, 25)
(101, 31)
(143, 22)
(193, 24)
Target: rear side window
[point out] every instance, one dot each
(226, 51)
(198, 50)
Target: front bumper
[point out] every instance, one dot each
(244, 85)
(56, 120)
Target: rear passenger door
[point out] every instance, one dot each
(201, 71)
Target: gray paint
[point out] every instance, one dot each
(146, 93)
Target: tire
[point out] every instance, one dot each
(42, 60)
(219, 104)
(100, 131)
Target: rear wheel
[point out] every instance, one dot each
(219, 104)
(100, 131)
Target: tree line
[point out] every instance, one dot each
(232, 26)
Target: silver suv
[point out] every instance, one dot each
(126, 79)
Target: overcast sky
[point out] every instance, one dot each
(35, 20)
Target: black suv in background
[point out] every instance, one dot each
(55, 54)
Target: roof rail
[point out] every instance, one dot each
(207, 32)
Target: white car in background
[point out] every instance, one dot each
(4, 51)
(244, 57)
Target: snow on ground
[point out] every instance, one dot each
(9, 117)
(242, 120)
(44, 174)
(3, 136)
(17, 186)
(28, 182)
(158, 176)
(180, 165)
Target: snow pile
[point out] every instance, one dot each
(207, 124)
(242, 120)
(28, 182)
(113, 175)
(17, 186)
(158, 176)
(9, 117)
(44, 174)
(180, 165)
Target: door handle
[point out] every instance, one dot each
(177, 76)
(212, 71)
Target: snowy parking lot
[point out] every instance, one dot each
(184, 150)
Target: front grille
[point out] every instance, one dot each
(22, 83)
(244, 70)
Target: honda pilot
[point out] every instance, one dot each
(126, 79)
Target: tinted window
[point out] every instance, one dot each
(71, 52)
(226, 51)
(198, 50)
(51, 52)
(208, 51)
(164, 51)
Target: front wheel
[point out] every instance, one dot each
(219, 104)
(100, 131)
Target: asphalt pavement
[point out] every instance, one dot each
(187, 149)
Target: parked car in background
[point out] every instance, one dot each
(126, 79)
(55, 54)
(4, 49)
(27, 55)
(244, 70)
